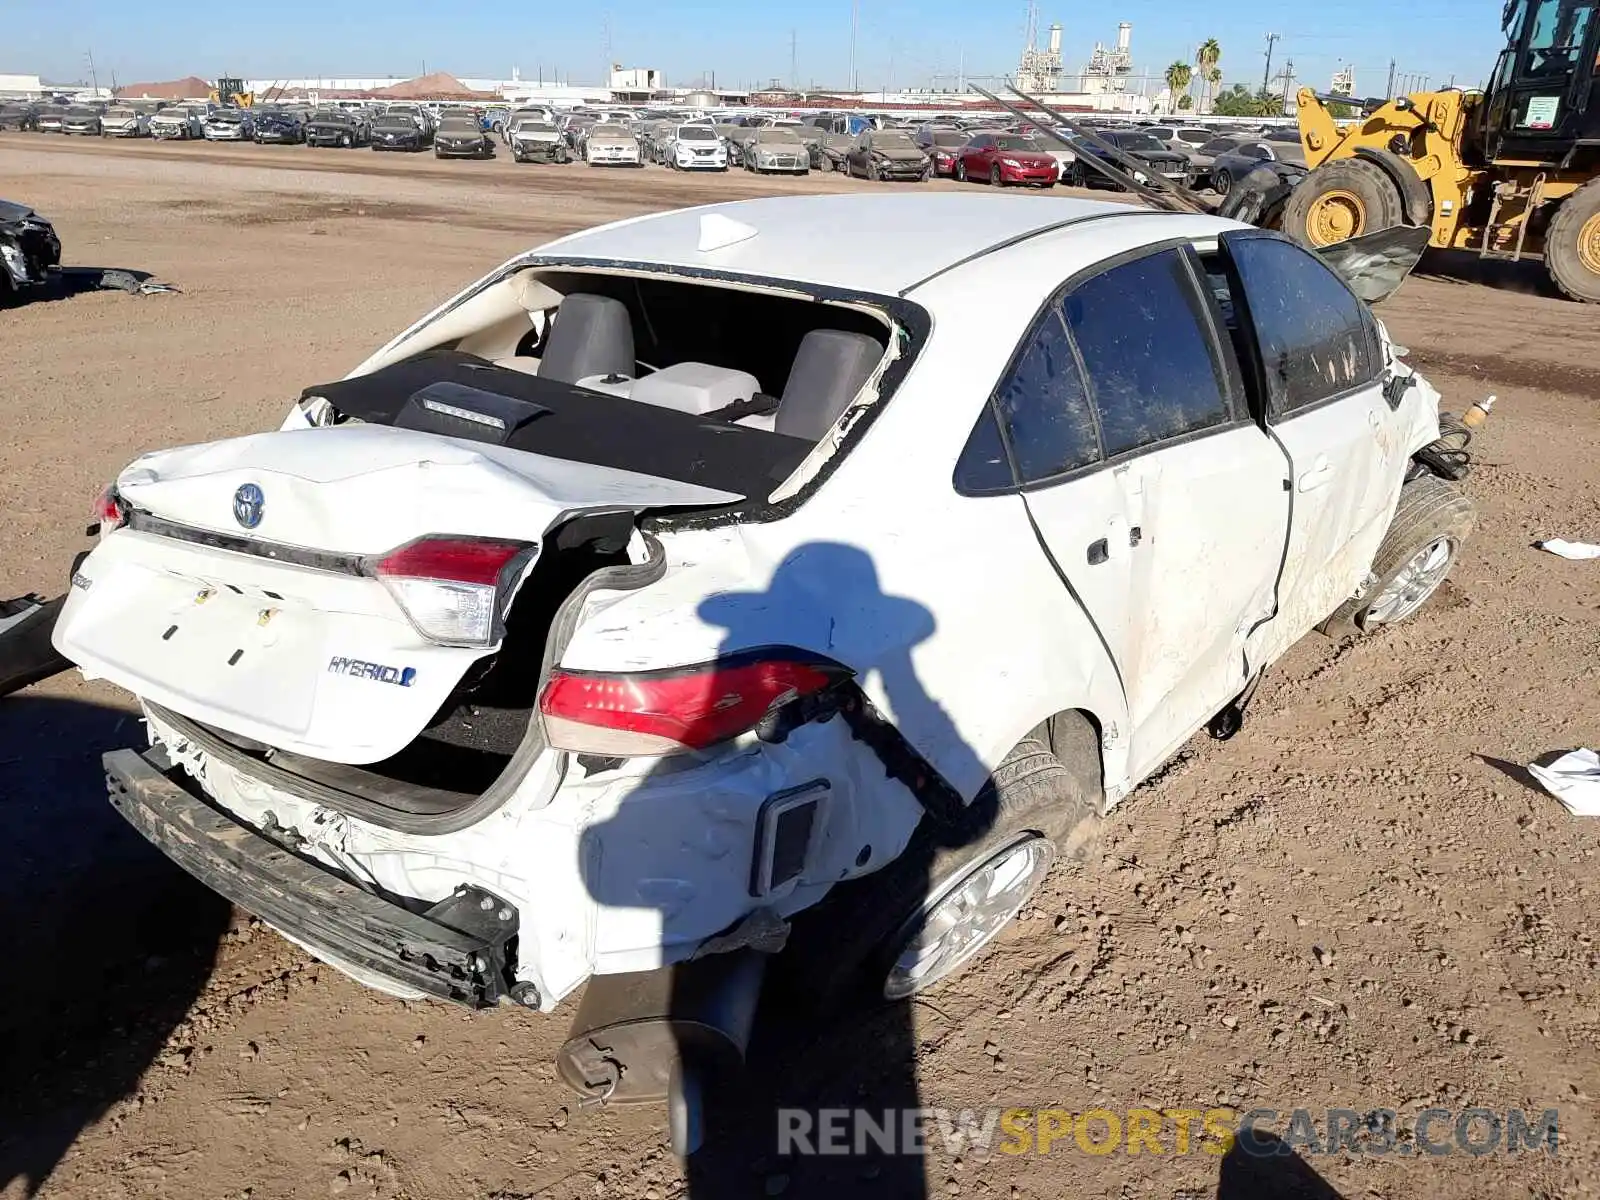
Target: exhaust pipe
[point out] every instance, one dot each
(661, 1035)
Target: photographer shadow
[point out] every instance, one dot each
(108, 943)
(824, 1037)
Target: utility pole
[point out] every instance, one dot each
(1390, 94)
(855, 21)
(794, 69)
(1266, 72)
(95, 79)
(961, 71)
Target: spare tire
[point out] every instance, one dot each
(1341, 200)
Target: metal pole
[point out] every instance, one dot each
(1391, 79)
(1266, 72)
(855, 20)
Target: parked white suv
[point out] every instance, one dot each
(687, 571)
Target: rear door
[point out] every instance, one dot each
(1318, 362)
(1158, 501)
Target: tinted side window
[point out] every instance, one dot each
(1144, 338)
(1218, 146)
(1312, 330)
(1045, 408)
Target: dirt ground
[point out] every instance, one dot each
(1360, 902)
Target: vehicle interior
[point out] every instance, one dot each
(614, 350)
(723, 386)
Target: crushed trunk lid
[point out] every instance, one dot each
(242, 594)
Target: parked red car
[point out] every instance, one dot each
(1004, 158)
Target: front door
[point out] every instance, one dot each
(1319, 358)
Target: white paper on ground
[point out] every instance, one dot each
(1573, 779)
(1566, 549)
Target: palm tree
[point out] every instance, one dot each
(1206, 58)
(1178, 77)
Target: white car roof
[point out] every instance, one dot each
(883, 244)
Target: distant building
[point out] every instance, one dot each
(21, 85)
(1040, 70)
(1109, 67)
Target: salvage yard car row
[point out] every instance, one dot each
(979, 148)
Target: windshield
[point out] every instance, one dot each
(397, 120)
(80, 111)
(1138, 141)
(609, 131)
(696, 133)
(459, 125)
(534, 127)
(118, 112)
(334, 118)
(777, 135)
(1049, 141)
(894, 141)
(1013, 141)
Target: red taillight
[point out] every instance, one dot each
(459, 559)
(108, 511)
(653, 713)
(455, 590)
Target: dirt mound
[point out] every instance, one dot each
(190, 87)
(436, 85)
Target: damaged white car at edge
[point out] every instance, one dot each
(836, 560)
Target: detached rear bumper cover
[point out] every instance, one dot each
(416, 951)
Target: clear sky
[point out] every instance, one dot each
(900, 43)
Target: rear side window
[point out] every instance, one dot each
(1044, 410)
(1312, 330)
(1147, 351)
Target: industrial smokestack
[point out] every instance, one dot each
(1124, 35)
(1055, 38)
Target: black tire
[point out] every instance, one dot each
(1307, 216)
(996, 179)
(1430, 508)
(1572, 245)
(961, 171)
(840, 950)
(1075, 176)
(1222, 182)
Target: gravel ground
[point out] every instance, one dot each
(1359, 902)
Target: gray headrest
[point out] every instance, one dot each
(828, 371)
(592, 335)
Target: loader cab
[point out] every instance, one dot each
(1543, 101)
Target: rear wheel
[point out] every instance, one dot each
(1431, 523)
(1572, 244)
(1340, 200)
(921, 919)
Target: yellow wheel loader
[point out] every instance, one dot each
(1510, 171)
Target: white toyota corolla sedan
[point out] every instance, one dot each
(849, 554)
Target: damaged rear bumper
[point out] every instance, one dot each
(457, 950)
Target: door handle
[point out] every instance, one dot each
(1321, 471)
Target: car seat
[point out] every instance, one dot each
(828, 371)
(591, 335)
